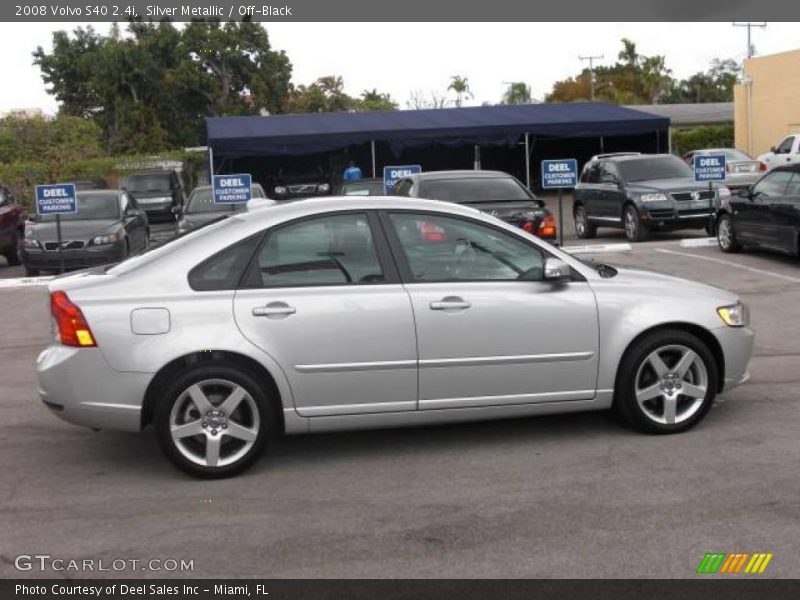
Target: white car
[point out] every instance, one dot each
(785, 153)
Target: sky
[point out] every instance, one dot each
(400, 58)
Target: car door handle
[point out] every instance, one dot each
(274, 309)
(450, 303)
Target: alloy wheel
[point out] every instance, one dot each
(630, 224)
(724, 234)
(214, 422)
(671, 384)
(580, 221)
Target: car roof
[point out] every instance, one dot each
(791, 167)
(105, 192)
(459, 174)
(637, 157)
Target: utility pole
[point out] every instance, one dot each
(749, 26)
(591, 60)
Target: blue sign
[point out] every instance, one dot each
(709, 167)
(232, 189)
(392, 174)
(561, 173)
(56, 199)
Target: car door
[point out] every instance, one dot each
(586, 192)
(786, 216)
(490, 331)
(8, 218)
(611, 195)
(324, 301)
(754, 218)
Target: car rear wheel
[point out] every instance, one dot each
(666, 382)
(635, 230)
(583, 228)
(213, 421)
(726, 234)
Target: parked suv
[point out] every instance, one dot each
(642, 193)
(12, 226)
(159, 193)
(494, 192)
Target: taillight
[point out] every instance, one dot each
(528, 226)
(547, 228)
(73, 330)
(762, 166)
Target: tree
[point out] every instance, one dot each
(460, 85)
(373, 100)
(63, 139)
(518, 92)
(326, 94)
(714, 85)
(421, 100)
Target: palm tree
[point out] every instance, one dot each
(460, 85)
(518, 92)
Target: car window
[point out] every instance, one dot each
(474, 189)
(773, 184)
(786, 146)
(609, 173)
(401, 188)
(91, 206)
(328, 250)
(655, 167)
(793, 189)
(440, 248)
(224, 270)
(201, 200)
(154, 182)
(592, 173)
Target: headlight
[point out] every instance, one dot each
(723, 191)
(29, 242)
(99, 240)
(280, 190)
(734, 315)
(324, 187)
(653, 197)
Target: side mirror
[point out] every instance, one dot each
(177, 210)
(773, 149)
(556, 270)
(743, 192)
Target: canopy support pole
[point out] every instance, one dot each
(374, 175)
(602, 144)
(210, 165)
(527, 162)
(477, 164)
(669, 139)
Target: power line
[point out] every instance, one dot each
(750, 26)
(591, 60)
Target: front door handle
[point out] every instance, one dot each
(450, 303)
(274, 309)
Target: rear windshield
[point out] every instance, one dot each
(202, 201)
(91, 207)
(156, 182)
(658, 167)
(474, 190)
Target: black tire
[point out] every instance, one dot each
(176, 393)
(12, 254)
(635, 230)
(632, 368)
(583, 228)
(31, 272)
(726, 234)
(711, 228)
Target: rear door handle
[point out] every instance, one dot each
(450, 303)
(274, 309)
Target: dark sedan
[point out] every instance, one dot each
(108, 227)
(766, 215)
(200, 209)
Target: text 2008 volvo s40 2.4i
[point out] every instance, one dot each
(333, 314)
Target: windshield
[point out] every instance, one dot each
(202, 201)
(474, 190)
(362, 188)
(91, 207)
(155, 182)
(657, 167)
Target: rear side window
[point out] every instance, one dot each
(225, 269)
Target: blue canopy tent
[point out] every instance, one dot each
(297, 135)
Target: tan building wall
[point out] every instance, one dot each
(774, 101)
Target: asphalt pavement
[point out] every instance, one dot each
(562, 496)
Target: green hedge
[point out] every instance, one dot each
(709, 136)
(23, 176)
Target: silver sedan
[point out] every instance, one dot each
(354, 313)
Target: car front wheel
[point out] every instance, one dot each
(666, 382)
(726, 234)
(635, 230)
(213, 421)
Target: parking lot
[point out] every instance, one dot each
(563, 496)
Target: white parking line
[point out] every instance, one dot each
(24, 281)
(698, 242)
(597, 248)
(732, 264)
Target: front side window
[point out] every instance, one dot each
(793, 189)
(328, 250)
(773, 184)
(786, 146)
(440, 248)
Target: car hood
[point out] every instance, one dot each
(678, 184)
(661, 283)
(71, 230)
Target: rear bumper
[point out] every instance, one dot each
(737, 348)
(77, 385)
(73, 259)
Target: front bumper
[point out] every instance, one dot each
(674, 218)
(78, 385)
(91, 256)
(162, 208)
(737, 348)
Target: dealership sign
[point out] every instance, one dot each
(709, 167)
(391, 175)
(230, 189)
(561, 173)
(56, 199)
